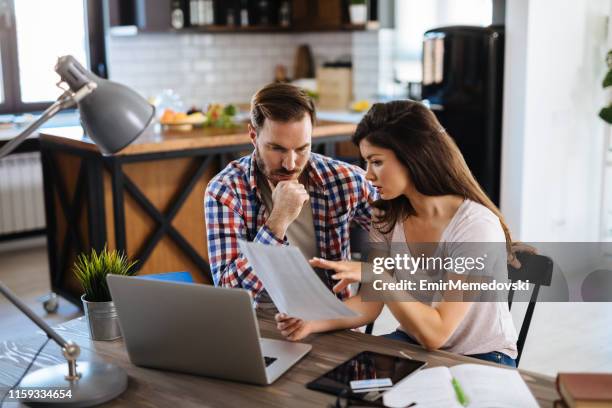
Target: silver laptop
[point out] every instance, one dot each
(198, 329)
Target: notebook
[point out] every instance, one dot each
(585, 390)
(481, 385)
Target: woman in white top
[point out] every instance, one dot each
(427, 195)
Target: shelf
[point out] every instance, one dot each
(132, 17)
(233, 29)
(218, 29)
(212, 29)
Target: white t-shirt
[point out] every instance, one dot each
(487, 326)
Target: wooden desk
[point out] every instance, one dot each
(154, 388)
(147, 200)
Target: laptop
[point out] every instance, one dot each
(198, 329)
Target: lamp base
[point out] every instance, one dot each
(99, 382)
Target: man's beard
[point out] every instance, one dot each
(272, 175)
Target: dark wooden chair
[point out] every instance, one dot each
(537, 269)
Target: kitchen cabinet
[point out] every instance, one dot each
(319, 14)
(142, 16)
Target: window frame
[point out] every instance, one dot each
(12, 103)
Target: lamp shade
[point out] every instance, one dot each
(113, 115)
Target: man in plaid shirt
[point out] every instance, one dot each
(283, 194)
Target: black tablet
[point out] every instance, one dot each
(366, 376)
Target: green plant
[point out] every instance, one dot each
(606, 112)
(313, 94)
(91, 270)
(221, 116)
(358, 1)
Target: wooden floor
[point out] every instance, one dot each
(563, 336)
(25, 271)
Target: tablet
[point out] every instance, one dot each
(366, 376)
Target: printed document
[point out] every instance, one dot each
(292, 284)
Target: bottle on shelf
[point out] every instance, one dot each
(284, 14)
(263, 11)
(177, 14)
(208, 12)
(244, 13)
(194, 14)
(201, 12)
(230, 18)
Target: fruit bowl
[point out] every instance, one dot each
(215, 116)
(360, 106)
(182, 121)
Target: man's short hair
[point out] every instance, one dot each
(281, 103)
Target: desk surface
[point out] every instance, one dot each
(151, 388)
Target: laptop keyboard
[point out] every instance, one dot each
(269, 360)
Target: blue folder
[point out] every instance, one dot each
(170, 276)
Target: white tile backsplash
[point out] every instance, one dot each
(205, 68)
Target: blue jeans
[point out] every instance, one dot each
(493, 356)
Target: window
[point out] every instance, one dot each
(33, 34)
(1, 80)
(414, 17)
(56, 28)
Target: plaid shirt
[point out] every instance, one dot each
(339, 194)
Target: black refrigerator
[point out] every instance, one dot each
(463, 82)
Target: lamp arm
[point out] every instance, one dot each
(32, 316)
(66, 100)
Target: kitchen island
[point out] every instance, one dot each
(147, 200)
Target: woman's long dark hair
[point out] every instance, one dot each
(435, 165)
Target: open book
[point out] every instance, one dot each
(482, 386)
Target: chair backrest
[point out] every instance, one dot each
(360, 242)
(537, 269)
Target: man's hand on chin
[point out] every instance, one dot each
(288, 197)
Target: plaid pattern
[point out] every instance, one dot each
(339, 194)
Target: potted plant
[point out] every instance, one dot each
(91, 270)
(358, 11)
(606, 112)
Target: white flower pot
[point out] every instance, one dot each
(359, 13)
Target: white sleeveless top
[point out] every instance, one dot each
(487, 326)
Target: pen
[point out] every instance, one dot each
(461, 397)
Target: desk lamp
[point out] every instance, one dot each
(113, 116)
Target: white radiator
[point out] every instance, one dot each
(22, 205)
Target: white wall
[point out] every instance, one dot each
(552, 137)
(205, 68)
(552, 161)
(201, 68)
(513, 131)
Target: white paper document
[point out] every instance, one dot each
(292, 284)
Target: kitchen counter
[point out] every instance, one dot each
(342, 116)
(156, 139)
(147, 200)
(12, 125)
